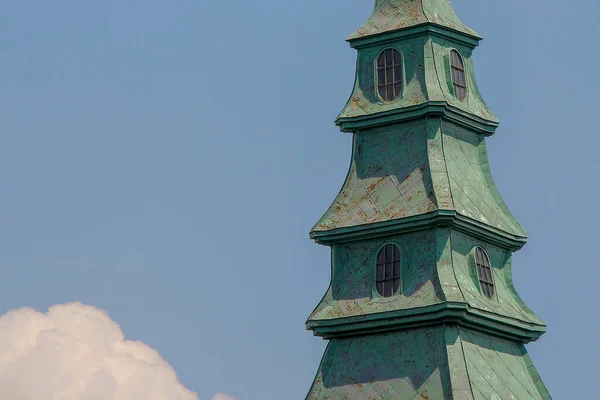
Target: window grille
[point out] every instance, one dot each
(458, 75)
(389, 74)
(388, 270)
(484, 271)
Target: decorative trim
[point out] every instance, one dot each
(436, 218)
(448, 312)
(416, 30)
(353, 124)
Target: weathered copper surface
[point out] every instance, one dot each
(415, 168)
(390, 15)
(420, 179)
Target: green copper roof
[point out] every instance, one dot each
(391, 15)
(434, 363)
(413, 169)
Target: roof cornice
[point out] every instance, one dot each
(353, 124)
(447, 312)
(421, 222)
(414, 31)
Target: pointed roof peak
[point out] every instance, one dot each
(392, 15)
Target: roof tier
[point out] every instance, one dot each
(417, 168)
(428, 363)
(392, 15)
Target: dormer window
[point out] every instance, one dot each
(389, 74)
(459, 83)
(388, 270)
(484, 272)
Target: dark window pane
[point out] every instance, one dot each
(481, 273)
(388, 57)
(387, 290)
(381, 61)
(380, 258)
(397, 89)
(389, 252)
(398, 74)
(390, 92)
(485, 273)
(389, 76)
(381, 76)
(462, 79)
(380, 272)
(460, 93)
(396, 285)
(478, 256)
(389, 271)
(458, 75)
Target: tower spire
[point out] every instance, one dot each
(391, 15)
(421, 302)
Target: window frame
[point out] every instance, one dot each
(487, 286)
(462, 71)
(397, 84)
(382, 277)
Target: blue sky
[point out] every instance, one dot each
(164, 161)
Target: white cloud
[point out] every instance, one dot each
(221, 396)
(76, 352)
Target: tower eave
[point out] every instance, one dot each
(470, 40)
(350, 124)
(452, 218)
(448, 312)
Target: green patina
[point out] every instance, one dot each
(392, 15)
(420, 179)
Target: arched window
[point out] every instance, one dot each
(458, 75)
(484, 271)
(388, 270)
(389, 74)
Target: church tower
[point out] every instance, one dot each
(421, 303)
